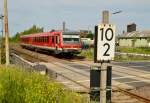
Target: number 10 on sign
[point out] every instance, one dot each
(104, 43)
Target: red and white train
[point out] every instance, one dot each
(56, 41)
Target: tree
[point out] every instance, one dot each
(33, 29)
(90, 35)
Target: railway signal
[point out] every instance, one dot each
(105, 42)
(103, 53)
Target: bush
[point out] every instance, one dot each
(20, 86)
(88, 53)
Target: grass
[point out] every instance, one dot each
(21, 86)
(130, 58)
(138, 50)
(89, 54)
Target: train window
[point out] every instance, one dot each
(71, 40)
(53, 39)
(45, 39)
(48, 39)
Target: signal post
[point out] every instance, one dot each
(103, 53)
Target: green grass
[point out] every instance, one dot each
(20, 86)
(88, 53)
(138, 50)
(131, 58)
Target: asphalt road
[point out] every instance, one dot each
(144, 66)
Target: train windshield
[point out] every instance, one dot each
(71, 39)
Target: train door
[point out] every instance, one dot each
(57, 42)
(53, 42)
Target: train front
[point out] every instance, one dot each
(71, 42)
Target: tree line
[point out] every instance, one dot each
(31, 30)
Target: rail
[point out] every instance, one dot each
(133, 95)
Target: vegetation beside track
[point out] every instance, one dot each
(138, 50)
(89, 54)
(21, 86)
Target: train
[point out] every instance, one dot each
(59, 42)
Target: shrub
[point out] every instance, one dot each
(21, 86)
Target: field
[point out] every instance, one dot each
(21, 86)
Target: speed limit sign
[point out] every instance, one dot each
(104, 43)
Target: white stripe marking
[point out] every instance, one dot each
(137, 81)
(146, 75)
(76, 81)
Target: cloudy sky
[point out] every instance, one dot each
(78, 14)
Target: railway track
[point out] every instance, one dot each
(32, 57)
(124, 96)
(118, 96)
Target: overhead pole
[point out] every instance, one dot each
(6, 32)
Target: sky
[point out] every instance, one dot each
(78, 14)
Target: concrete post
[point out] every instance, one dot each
(105, 20)
(6, 32)
(103, 83)
(105, 17)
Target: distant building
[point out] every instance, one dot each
(131, 27)
(135, 39)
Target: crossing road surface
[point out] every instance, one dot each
(145, 66)
(125, 75)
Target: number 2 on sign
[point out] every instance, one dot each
(108, 38)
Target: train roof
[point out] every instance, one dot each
(53, 32)
(71, 32)
(40, 34)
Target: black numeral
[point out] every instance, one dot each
(102, 29)
(108, 38)
(106, 34)
(106, 52)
